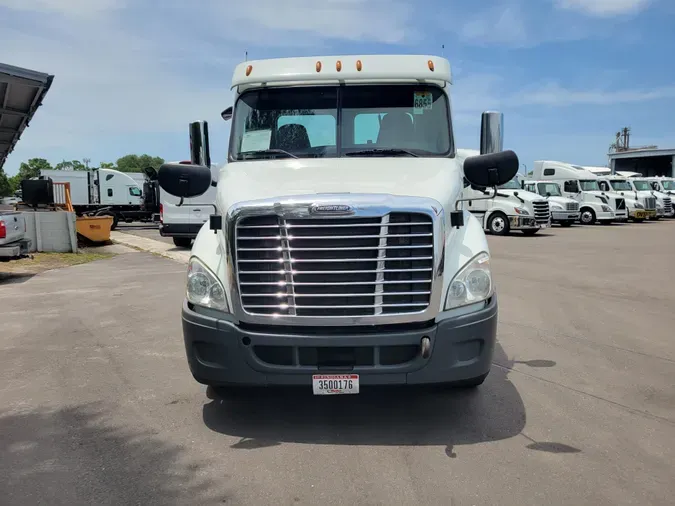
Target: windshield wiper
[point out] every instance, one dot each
(271, 151)
(381, 152)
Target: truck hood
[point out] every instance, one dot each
(560, 200)
(436, 178)
(525, 195)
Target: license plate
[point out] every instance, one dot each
(335, 384)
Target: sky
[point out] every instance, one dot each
(130, 75)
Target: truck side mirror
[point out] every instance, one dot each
(184, 180)
(491, 170)
(227, 114)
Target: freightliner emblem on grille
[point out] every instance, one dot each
(331, 209)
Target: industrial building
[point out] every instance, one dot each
(646, 160)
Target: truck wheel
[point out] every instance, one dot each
(498, 224)
(530, 231)
(182, 242)
(566, 223)
(587, 216)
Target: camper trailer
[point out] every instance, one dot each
(512, 208)
(581, 185)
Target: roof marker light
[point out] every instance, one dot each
(359, 65)
(338, 66)
(431, 65)
(248, 70)
(318, 66)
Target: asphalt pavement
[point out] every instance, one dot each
(97, 405)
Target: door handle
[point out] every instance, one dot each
(196, 210)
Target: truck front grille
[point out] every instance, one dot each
(541, 212)
(650, 203)
(346, 266)
(620, 204)
(667, 205)
(572, 206)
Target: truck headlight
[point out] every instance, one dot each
(473, 283)
(557, 207)
(606, 209)
(203, 287)
(520, 210)
(639, 206)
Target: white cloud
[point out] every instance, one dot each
(74, 8)
(558, 96)
(604, 7)
(504, 24)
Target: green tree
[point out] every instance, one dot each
(136, 163)
(107, 165)
(5, 185)
(70, 165)
(33, 167)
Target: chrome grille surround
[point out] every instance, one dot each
(650, 203)
(363, 207)
(667, 205)
(572, 206)
(620, 204)
(542, 214)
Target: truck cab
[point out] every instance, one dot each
(663, 184)
(512, 208)
(338, 255)
(564, 210)
(640, 205)
(582, 185)
(643, 187)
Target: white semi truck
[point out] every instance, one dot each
(641, 204)
(338, 255)
(582, 185)
(512, 208)
(564, 211)
(104, 192)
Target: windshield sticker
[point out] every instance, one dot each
(256, 140)
(422, 101)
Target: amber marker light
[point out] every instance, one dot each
(318, 66)
(338, 66)
(359, 65)
(248, 70)
(431, 65)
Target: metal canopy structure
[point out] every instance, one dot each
(646, 161)
(21, 93)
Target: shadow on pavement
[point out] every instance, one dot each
(395, 416)
(7, 278)
(74, 455)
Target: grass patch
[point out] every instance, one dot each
(45, 261)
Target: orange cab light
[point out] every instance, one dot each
(338, 66)
(359, 65)
(318, 66)
(248, 70)
(431, 65)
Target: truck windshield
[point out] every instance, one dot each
(668, 185)
(620, 186)
(511, 185)
(588, 185)
(334, 121)
(551, 188)
(642, 186)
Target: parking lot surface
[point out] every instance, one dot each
(148, 230)
(97, 405)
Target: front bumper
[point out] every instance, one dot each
(221, 353)
(642, 214)
(524, 222)
(565, 216)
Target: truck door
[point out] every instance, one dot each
(134, 195)
(571, 190)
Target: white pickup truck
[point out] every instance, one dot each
(13, 243)
(339, 255)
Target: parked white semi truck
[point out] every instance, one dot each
(338, 255)
(564, 211)
(581, 185)
(512, 208)
(641, 204)
(663, 184)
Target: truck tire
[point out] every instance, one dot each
(182, 242)
(498, 224)
(530, 231)
(587, 216)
